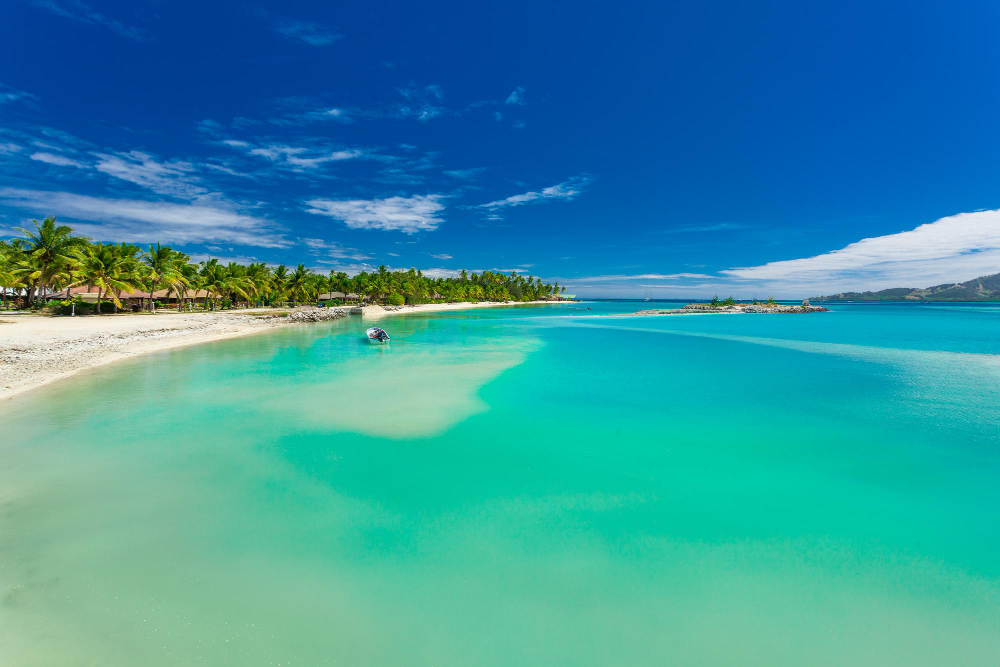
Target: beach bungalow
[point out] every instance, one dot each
(130, 300)
(82, 292)
(140, 300)
(343, 298)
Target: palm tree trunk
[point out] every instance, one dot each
(41, 284)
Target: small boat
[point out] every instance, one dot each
(377, 335)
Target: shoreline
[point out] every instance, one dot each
(38, 350)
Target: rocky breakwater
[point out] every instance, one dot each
(315, 315)
(753, 308)
(732, 309)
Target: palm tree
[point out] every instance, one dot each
(50, 247)
(298, 283)
(212, 279)
(132, 269)
(238, 281)
(107, 269)
(258, 280)
(339, 282)
(11, 258)
(51, 257)
(191, 279)
(162, 268)
(279, 282)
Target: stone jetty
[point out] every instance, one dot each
(735, 309)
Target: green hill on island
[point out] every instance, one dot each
(984, 288)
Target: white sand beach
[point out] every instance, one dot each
(38, 349)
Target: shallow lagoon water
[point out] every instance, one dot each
(534, 485)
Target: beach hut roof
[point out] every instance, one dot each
(81, 291)
(164, 294)
(70, 292)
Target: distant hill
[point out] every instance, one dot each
(986, 288)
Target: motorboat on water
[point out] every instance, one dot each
(377, 335)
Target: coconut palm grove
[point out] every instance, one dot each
(46, 262)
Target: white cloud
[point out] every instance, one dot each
(516, 97)
(465, 174)
(441, 273)
(454, 273)
(299, 158)
(409, 215)
(60, 160)
(199, 257)
(568, 189)
(229, 171)
(8, 148)
(952, 249)
(949, 250)
(422, 102)
(307, 32)
(333, 250)
(168, 178)
(640, 276)
(144, 221)
(9, 95)
(442, 256)
(80, 11)
(694, 229)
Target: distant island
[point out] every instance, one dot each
(984, 288)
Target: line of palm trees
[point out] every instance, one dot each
(51, 257)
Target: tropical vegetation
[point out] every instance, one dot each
(50, 258)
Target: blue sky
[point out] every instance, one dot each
(780, 149)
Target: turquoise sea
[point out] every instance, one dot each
(532, 485)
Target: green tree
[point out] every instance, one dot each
(192, 280)
(212, 280)
(107, 269)
(162, 268)
(299, 283)
(50, 248)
